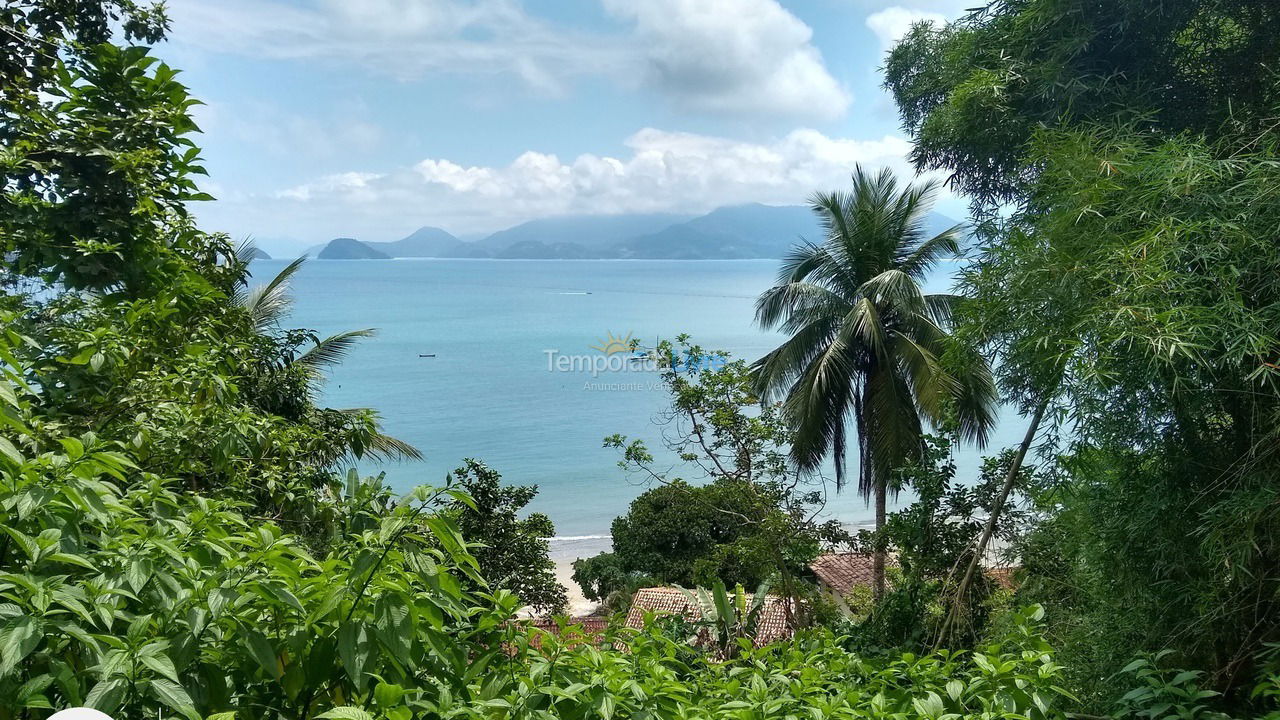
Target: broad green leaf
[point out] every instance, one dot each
(18, 637)
(69, 559)
(353, 648)
(218, 599)
(387, 695)
(31, 694)
(346, 712)
(930, 705)
(137, 573)
(162, 665)
(172, 694)
(7, 395)
(107, 695)
(10, 452)
(262, 651)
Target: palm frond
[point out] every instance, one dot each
(267, 304)
(818, 403)
(386, 447)
(893, 425)
(922, 258)
(244, 250)
(775, 373)
(939, 307)
(241, 254)
(799, 261)
(865, 326)
(796, 304)
(930, 385)
(331, 350)
(897, 293)
(372, 443)
(977, 396)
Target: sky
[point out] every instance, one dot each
(371, 118)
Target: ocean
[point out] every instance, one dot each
(493, 389)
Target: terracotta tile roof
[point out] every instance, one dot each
(772, 625)
(576, 630)
(1003, 576)
(843, 572)
(660, 601)
(589, 623)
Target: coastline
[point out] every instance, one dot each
(563, 551)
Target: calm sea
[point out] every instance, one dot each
(487, 391)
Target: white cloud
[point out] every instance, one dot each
(949, 8)
(351, 186)
(662, 172)
(724, 56)
(401, 38)
(892, 23)
(273, 130)
(732, 55)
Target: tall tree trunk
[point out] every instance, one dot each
(877, 561)
(953, 615)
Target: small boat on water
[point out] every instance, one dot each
(426, 354)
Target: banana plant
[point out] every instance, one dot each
(729, 622)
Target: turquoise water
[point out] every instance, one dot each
(489, 393)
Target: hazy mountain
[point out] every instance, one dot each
(428, 242)
(538, 250)
(740, 231)
(592, 232)
(727, 233)
(350, 249)
(259, 254)
(468, 250)
(423, 242)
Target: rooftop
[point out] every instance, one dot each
(843, 572)
(773, 623)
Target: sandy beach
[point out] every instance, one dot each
(564, 550)
(578, 605)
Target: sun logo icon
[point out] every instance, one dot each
(610, 344)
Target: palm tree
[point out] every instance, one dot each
(267, 306)
(865, 342)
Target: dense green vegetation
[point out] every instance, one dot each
(514, 549)
(736, 509)
(1121, 158)
(178, 537)
(866, 342)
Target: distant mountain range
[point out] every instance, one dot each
(736, 232)
(574, 236)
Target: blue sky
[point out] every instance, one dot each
(370, 118)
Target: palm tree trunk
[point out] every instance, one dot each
(877, 561)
